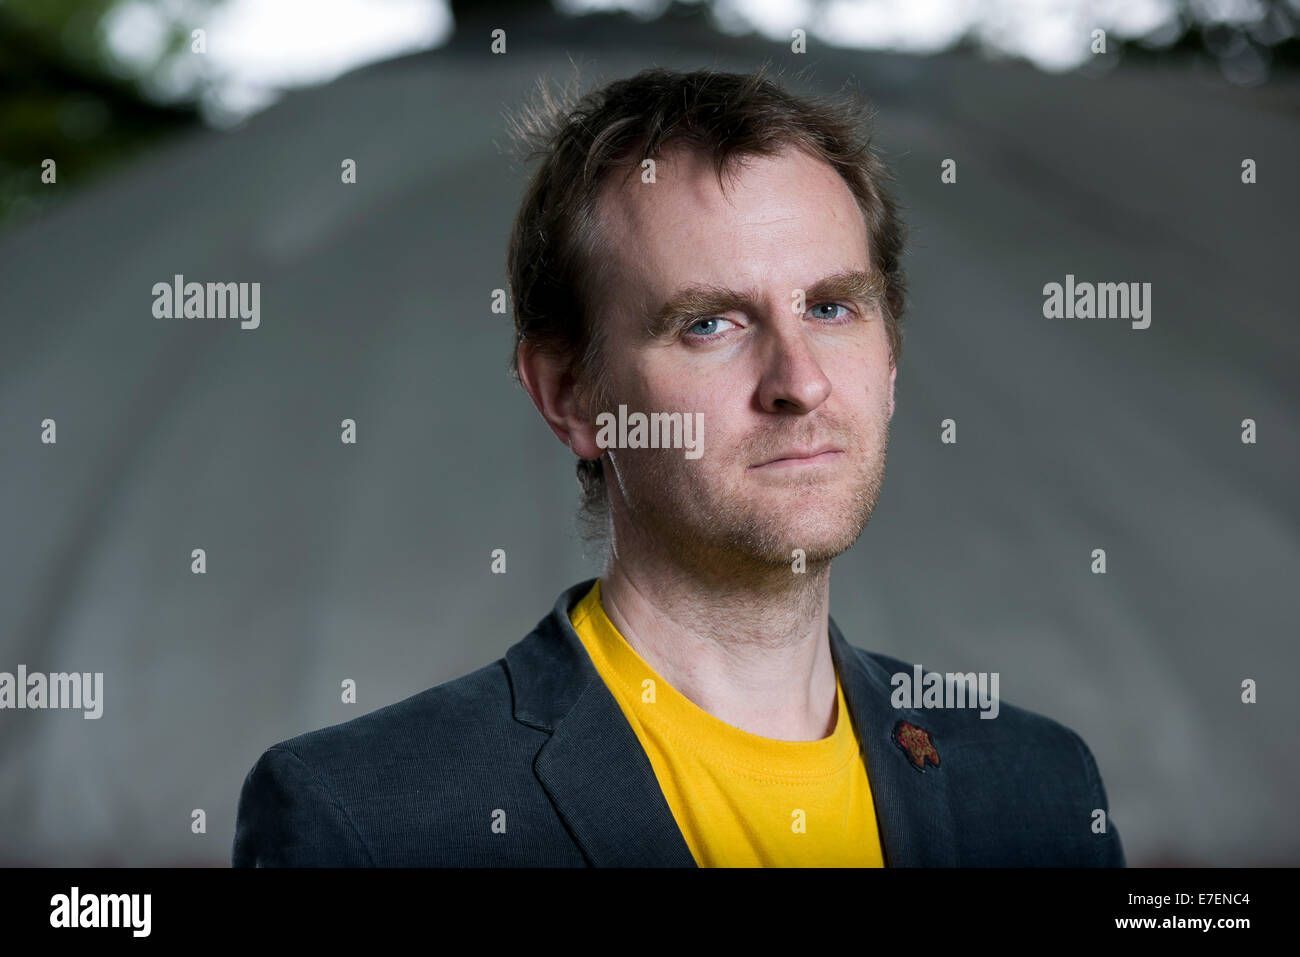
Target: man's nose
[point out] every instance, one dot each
(792, 379)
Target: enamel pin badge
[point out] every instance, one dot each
(916, 743)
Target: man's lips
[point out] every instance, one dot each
(820, 455)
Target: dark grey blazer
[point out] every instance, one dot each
(536, 743)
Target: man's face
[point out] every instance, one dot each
(771, 382)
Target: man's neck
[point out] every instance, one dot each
(755, 654)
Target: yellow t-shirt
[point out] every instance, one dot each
(740, 800)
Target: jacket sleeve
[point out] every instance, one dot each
(287, 817)
(1110, 851)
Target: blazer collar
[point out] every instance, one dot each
(602, 784)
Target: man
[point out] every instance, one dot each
(721, 258)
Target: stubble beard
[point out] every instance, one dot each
(675, 506)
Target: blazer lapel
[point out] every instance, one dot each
(913, 811)
(593, 766)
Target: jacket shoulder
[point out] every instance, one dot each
(1029, 728)
(1021, 770)
(311, 800)
(437, 715)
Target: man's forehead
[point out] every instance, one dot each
(685, 179)
(642, 226)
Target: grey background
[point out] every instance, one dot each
(372, 561)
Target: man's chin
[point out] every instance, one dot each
(819, 548)
(806, 540)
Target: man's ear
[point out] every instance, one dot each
(893, 374)
(550, 383)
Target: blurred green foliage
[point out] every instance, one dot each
(69, 94)
(65, 95)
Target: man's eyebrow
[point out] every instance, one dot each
(703, 299)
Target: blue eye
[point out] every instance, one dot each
(695, 330)
(833, 305)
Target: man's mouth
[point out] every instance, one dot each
(805, 457)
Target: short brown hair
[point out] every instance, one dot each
(554, 265)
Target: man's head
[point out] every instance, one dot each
(674, 287)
